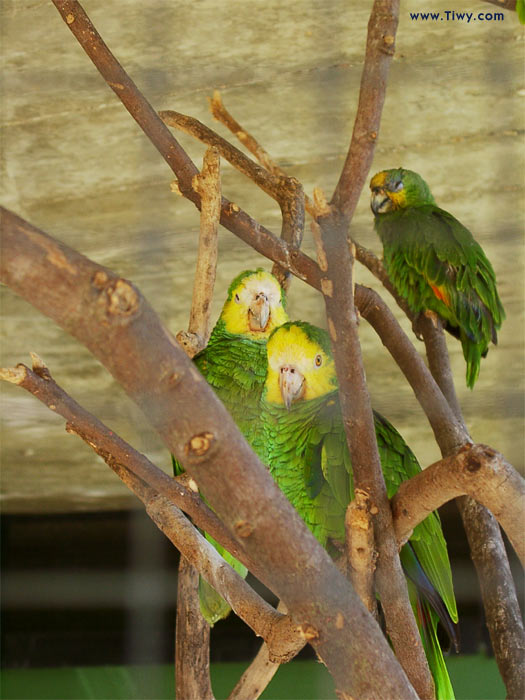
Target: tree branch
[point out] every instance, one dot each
(192, 638)
(208, 184)
(287, 191)
(262, 669)
(446, 427)
(110, 317)
(192, 632)
(502, 611)
(505, 4)
(118, 453)
(477, 471)
(221, 114)
(361, 555)
(337, 284)
(486, 545)
(232, 216)
(380, 46)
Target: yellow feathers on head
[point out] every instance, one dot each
(305, 350)
(255, 305)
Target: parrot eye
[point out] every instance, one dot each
(318, 360)
(397, 186)
(237, 299)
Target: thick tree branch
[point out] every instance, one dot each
(361, 554)
(110, 317)
(477, 471)
(119, 454)
(192, 638)
(380, 45)
(486, 545)
(502, 611)
(39, 382)
(336, 264)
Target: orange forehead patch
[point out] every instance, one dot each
(379, 179)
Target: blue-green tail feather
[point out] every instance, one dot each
(429, 610)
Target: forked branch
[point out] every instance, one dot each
(257, 614)
(287, 191)
(477, 471)
(111, 317)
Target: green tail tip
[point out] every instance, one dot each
(520, 9)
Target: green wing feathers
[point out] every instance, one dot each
(213, 606)
(235, 368)
(435, 263)
(306, 451)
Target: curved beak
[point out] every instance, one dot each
(259, 312)
(380, 201)
(291, 384)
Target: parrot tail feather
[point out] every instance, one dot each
(425, 590)
(427, 622)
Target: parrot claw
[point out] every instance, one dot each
(416, 323)
(416, 326)
(433, 316)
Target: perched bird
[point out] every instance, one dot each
(435, 264)
(234, 363)
(302, 441)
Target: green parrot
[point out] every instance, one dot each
(302, 441)
(435, 264)
(234, 363)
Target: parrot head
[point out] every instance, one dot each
(255, 305)
(397, 189)
(300, 364)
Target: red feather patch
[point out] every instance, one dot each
(441, 294)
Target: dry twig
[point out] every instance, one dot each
(222, 115)
(208, 184)
(261, 670)
(287, 191)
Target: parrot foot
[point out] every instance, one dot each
(417, 322)
(433, 316)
